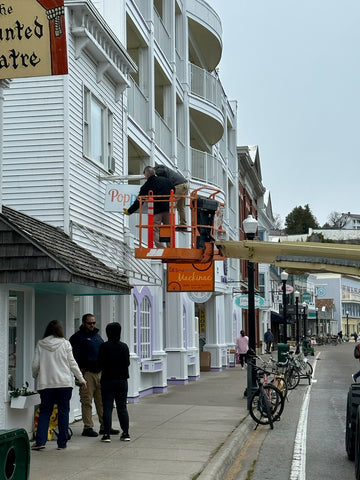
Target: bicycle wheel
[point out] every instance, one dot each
(266, 405)
(306, 368)
(279, 382)
(292, 377)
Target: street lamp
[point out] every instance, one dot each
(304, 319)
(250, 225)
(297, 296)
(317, 321)
(284, 276)
(347, 323)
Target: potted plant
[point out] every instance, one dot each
(23, 397)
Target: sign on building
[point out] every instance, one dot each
(119, 196)
(32, 38)
(190, 277)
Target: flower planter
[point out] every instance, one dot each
(25, 401)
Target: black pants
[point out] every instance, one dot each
(115, 390)
(242, 358)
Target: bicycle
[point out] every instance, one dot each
(267, 401)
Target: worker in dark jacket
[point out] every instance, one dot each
(181, 188)
(114, 361)
(159, 186)
(86, 343)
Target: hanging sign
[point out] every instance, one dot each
(243, 301)
(32, 38)
(119, 196)
(289, 289)
(190, 277)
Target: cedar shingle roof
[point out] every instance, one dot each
(32, 251)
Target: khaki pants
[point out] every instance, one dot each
(181, 189)
(93, 391)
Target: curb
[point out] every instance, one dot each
(219, 465)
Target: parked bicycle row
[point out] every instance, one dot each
(273, 381)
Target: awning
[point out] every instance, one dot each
(297, 256)
(276, 318)
(40, 255)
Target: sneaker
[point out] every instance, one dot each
(181, 229)
(112, 431)
(106, 438)
(89, 432)
(242, 368)
(125, 437)
(353, 378)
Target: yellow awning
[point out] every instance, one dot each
(297, 256)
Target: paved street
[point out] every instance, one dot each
(271, 453)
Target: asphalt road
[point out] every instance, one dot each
(309, 441)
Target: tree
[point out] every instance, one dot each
(299, 220)
(278, 223)
(337, 220)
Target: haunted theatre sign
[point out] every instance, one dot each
(32, 38)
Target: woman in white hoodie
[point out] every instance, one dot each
(54, 368)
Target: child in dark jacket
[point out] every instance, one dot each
(114, 361)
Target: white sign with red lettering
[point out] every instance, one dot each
(119, 196)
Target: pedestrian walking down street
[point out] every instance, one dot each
(268, 339)
(114, 361)
(181, 188)
(159, 186)
(54, 368)
(242, 347)
(86, 343)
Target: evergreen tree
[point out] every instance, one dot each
(299, 220)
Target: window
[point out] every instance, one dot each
(145, 329)
(135, 330)
(16, 340)
(97, 131)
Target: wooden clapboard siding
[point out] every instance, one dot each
(87, 192)
(36, 157)
(33, 160)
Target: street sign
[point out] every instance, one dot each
(243, 301)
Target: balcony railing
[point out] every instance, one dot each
(205, 85)
(207, 168)
(162, 134)
(161, 35)
(138, 105)
(142, 5)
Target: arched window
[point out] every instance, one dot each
(135, 326)
(145, 329)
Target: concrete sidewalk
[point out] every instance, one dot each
(195, 429)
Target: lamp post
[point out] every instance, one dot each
(297, 296)
(284, 276)
(317, 322)
(250, 225)
(304, 319)
(347, 323)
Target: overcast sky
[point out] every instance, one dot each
(294, 68)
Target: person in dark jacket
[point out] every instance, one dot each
(159, 186)
(114, 361)
(86, 343)
(181, 188)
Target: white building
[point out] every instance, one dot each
(142, 89)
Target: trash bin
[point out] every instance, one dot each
(282, 348)
(14, 454)
(306, 347)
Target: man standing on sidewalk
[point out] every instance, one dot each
(86, 343)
